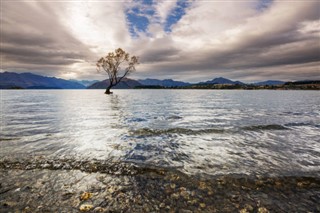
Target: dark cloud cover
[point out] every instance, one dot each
(239, 40)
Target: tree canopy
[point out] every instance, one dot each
(117, 65)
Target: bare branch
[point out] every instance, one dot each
(112, 64)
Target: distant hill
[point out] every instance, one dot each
(126, 83)
(163, 83)
(10, 80)
(85, 83)
(269, 83)
(221, 80)
(303, 82)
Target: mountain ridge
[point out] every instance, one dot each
(29, 80)
(163, 83)
(32, 81)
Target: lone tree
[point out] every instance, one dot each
(117, 64)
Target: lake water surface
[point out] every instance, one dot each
(196, 132)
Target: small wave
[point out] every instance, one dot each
(174, 117)
(184, 131)
(299, 124)
(7, 139)
(265, 127)
(136, 120)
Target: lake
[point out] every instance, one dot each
(199, 136)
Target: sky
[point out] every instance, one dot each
(195, 40)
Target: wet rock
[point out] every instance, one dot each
(183, 189)
(9, 204)
(99, 209)
(27, 209)
(175, 196)
(263, 210)
(244, 210)
(277, 183)
(202, 185)
(185, 211)
(112, 189)
(184, 194)
(172, 186)
(174, 177)
(26, 188)
(247, 209)
(162, 205)
(302, 184)
(192, 202)
(202, 205)
(235, 198)
(86, 196)
(67, 195)
(86, 207)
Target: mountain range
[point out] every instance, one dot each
(10, 80)
(163, 83)
(269, 83)
(221, 80)
(85, 83)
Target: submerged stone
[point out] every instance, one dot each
(86, 207)
(263, 210)
(202, 205)
(86, 196)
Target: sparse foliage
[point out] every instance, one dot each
(117, 65)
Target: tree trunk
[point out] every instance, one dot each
(108, 92)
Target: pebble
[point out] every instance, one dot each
(175, 195)
(184, 194)
(202, 205)
(244, 210)
(99, 209)
(86, 207)
(86, 196)
(112, 189)
(202, 185)
(263, 210)
(192, 202)
(249, 207)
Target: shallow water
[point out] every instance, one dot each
(210, 132)
(159, 151)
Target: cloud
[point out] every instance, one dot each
(164, 8)
(32, 36)
(214, 39)
(193, 40)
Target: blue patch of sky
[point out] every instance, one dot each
(137, 23)
(147, 2)
(138, 17)
(176, 14)
(263, 4)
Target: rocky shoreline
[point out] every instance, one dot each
(129, 188)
